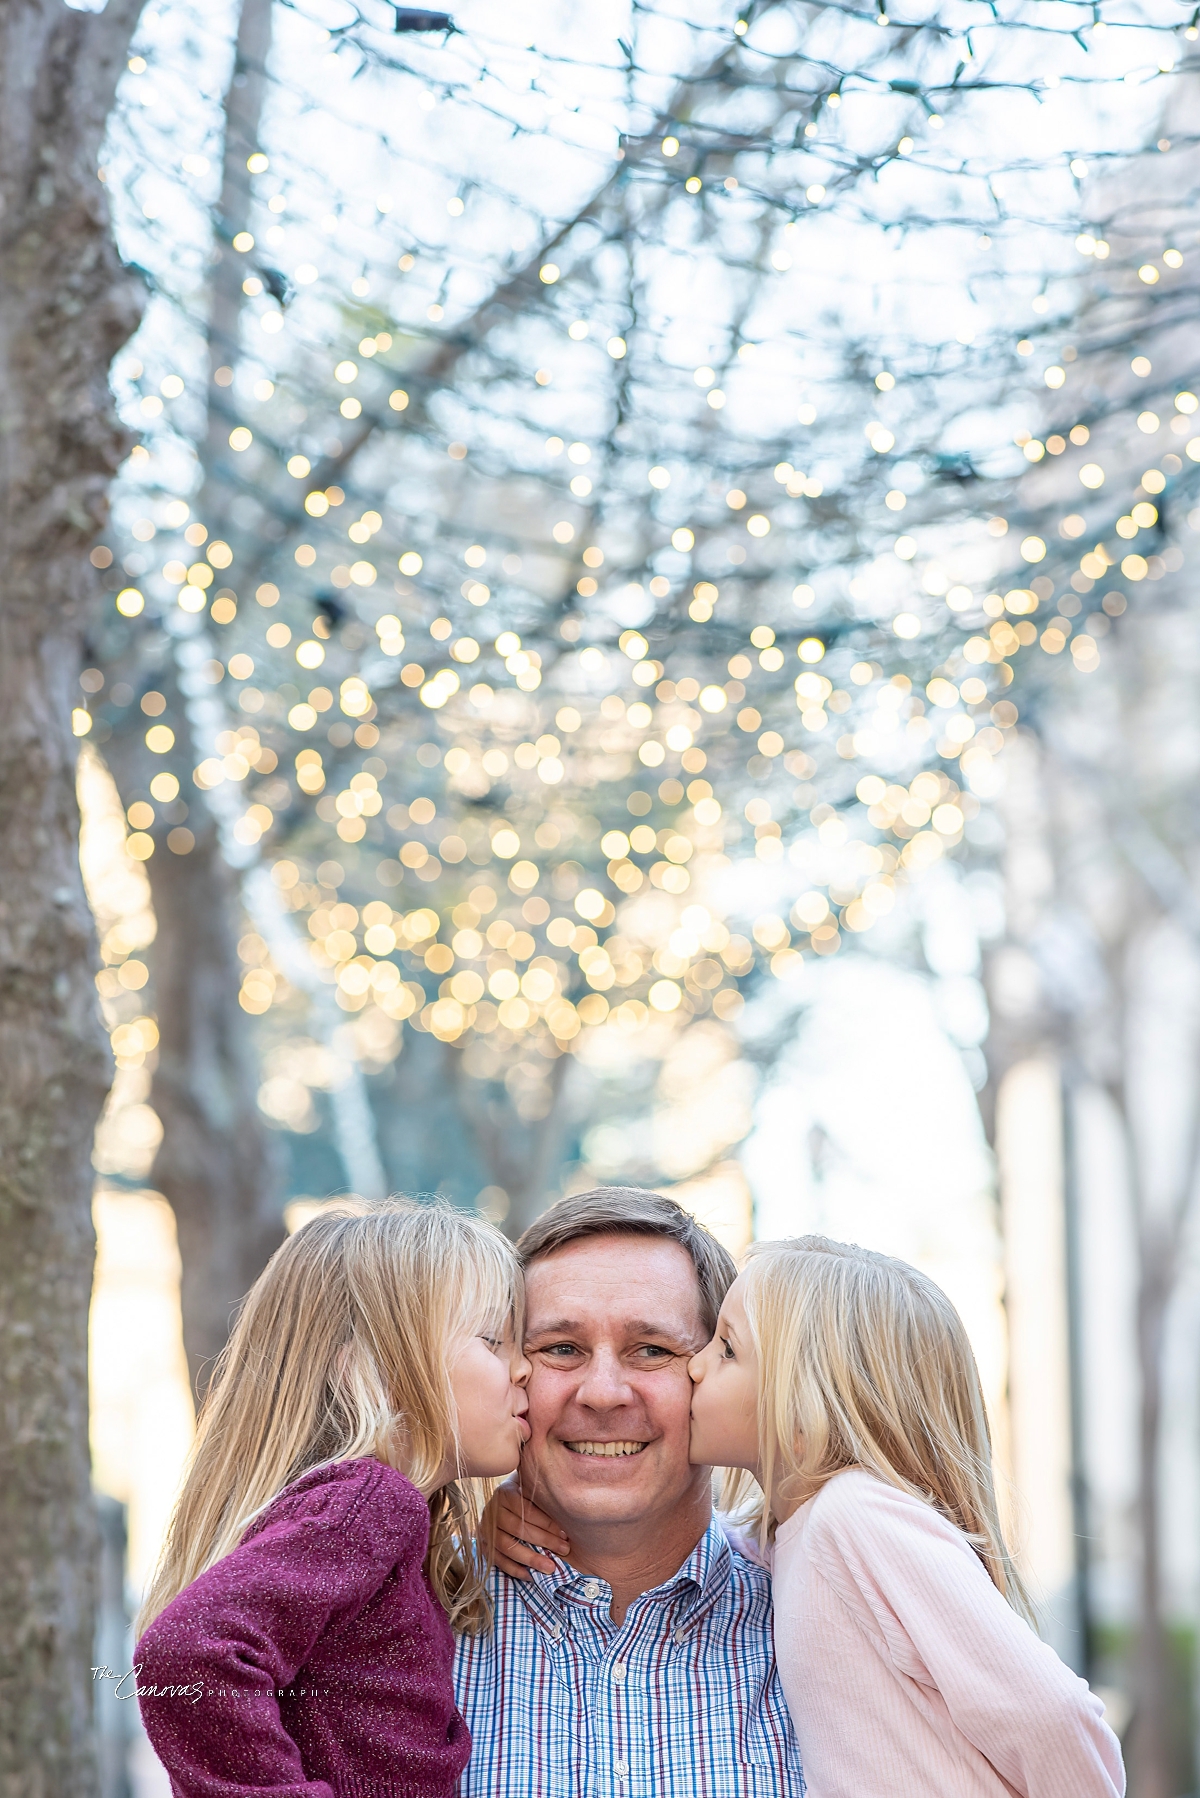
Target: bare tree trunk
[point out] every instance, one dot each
(521, 1159)
(1160, 1220)
(1151, 1755)
(217, 1165)
(66, 305)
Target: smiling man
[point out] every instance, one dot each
(634, 1657)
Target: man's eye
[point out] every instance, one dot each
(654, 1351)
(560, 1350)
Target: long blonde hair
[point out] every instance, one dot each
(864, 1362)
(341, 1351)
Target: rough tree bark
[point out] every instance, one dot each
(217, 1165)
(66, 305)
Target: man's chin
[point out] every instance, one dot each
(627, 1496)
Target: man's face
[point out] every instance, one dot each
(611, 1323)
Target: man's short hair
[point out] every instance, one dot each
(630, 1211)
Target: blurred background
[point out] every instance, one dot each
(652, 638)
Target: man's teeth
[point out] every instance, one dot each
(607, 1449)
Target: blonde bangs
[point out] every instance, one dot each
(342, 1350)
(864, 1362)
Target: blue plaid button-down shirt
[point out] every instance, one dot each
(681, 1700)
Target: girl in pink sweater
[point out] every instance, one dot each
(297, 1637)
(844, 1381)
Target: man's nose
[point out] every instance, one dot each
(605, 1384)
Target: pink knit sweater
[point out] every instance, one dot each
(313, 1661)
(906, 1672)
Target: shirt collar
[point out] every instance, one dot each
(695, 1587)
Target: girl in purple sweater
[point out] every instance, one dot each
(297, 1636)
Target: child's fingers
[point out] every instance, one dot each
(515, 1557)
(517, 1512)
(515, 1526)
(520, 1517)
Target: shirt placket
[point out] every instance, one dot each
(597, 1641)
(623, 1745)
(615, 1765)
(627, 1724)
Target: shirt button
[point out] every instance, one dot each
(680, 1635)
(591, 1589)
(621, 1769)
(554, 1631)
(619, 1670)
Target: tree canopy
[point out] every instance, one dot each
(603, 496)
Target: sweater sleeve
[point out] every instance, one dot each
(214, 1664)
(947, 1627)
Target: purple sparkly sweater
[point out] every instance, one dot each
(313, 1661)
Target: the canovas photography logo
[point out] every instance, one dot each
(126, 1686)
